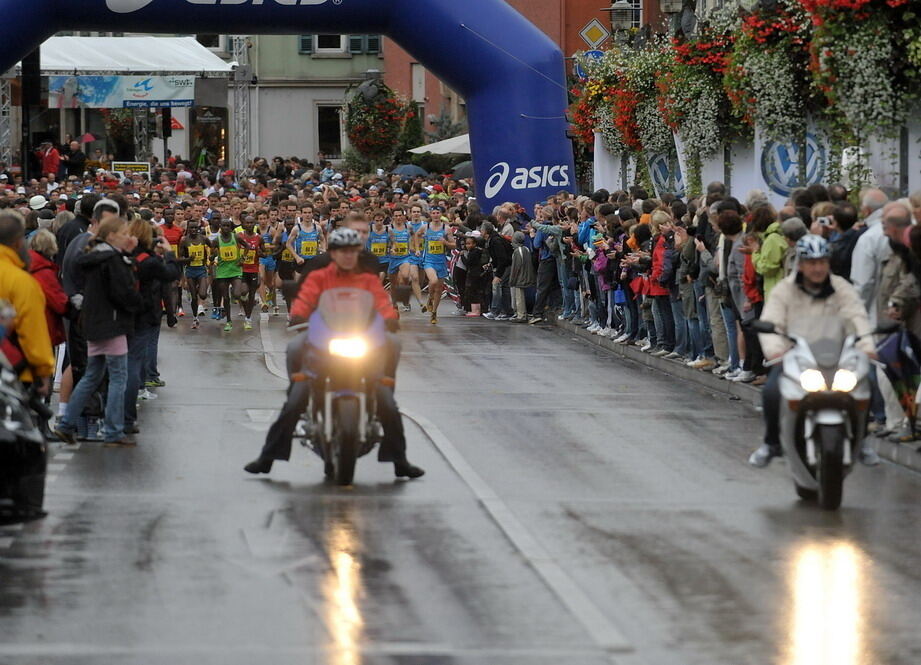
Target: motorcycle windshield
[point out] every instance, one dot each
(827, 352)
(347, 311)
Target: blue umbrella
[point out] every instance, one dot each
(410, 170)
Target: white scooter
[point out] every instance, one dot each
(825, 397)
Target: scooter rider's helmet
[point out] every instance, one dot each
(812, 247)
(342, 238)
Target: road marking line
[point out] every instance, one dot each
(6, 543)
(267, 347)
(50, 478)
(64, 456)
(57, 468)
(605, 634)
(602, 630)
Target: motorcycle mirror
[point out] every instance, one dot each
(763, 326)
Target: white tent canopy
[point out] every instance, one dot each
(459, 145)
(129, 55)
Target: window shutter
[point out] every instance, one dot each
(373, 44)
(305, 44)
(356, 44)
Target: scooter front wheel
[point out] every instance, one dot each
(830, 470)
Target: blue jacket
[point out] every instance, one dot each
(585, 232)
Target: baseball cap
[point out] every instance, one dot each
(438, 188)
(38, 202)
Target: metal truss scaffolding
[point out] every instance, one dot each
(241, 81)
(6, 122)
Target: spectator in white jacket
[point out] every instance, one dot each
(870, 251)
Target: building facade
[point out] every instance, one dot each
(567, 22)
(299, 90)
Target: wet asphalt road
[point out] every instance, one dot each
(576, 509)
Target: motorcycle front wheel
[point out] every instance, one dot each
(830, 470)
(345, 437)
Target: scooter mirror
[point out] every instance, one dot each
(886, 327)
(763, 326)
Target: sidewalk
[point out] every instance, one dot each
(903, 455)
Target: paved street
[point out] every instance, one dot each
(575, 510)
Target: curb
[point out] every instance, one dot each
(902, 455)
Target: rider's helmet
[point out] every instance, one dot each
(341, 238)
(812, 247)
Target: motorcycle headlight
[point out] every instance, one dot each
(812, 381)
(348, 347)
(845, 381)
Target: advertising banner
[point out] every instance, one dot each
(115, 92)
(128, 169)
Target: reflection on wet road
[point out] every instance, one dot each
(573, 497)
(826, 625)
(341, 594)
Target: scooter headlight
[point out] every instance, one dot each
(812, 381)
(845, 381)
(348, 347)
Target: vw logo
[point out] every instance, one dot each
(666, 174)
(780, 165)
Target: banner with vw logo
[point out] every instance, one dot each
(115, 92)
(780, 163)
(666, 175)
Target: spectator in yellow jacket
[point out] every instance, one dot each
(20, 289)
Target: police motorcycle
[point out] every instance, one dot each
(345, 338)
(23, 451)
(825, 397)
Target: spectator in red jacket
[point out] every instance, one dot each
(42, 248)
(660, 225)
(51, 159)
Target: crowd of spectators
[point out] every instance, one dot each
(681, 280)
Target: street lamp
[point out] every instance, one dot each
(621, 15)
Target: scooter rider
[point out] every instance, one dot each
(344, 246)
(813, 304)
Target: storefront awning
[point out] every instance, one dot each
(67, 56)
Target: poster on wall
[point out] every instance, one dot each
(116, 92)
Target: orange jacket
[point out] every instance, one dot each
(331, 277)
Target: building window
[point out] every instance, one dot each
(351, 44)
(329, 131)
(216, 43)
(330, 44)
(637, 13)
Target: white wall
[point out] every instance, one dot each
(914, 154)
(285, 122)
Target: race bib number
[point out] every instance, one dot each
(287, 255)
(436, 247)
(379, 248)
(309, 248)
(249, 257)
(228, 253)
(197, 254)
(400, 249)
(174, 249)
(268, 249)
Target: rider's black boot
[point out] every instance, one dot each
(259, 465)
(404, 469)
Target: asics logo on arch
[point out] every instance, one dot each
(525, 178)
(129, 6)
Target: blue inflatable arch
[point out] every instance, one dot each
(510, 73)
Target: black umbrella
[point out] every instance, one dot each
(410, 170)
(463, 170)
